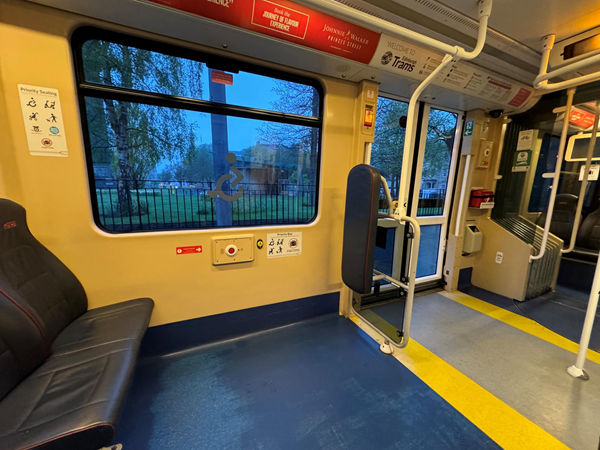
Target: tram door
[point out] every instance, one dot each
(433, 170)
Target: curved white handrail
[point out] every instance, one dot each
(360, 18)
(452, 53)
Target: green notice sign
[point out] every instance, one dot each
(521, 161)
(469, 128)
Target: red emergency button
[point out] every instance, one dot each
(231, 250)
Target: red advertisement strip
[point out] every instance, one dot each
(188, 250)
(521, 96)
(289, 21)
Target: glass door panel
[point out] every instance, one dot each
(428, 250)
(436, 163)
(436, 167)
(386, 156)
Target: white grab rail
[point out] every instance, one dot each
(541, 82)
(584, 182)
(555, 179)
(374, 23)
(452, 53)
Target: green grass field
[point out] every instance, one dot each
(161, 207)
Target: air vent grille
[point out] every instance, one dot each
(440, 9)
(373, 13)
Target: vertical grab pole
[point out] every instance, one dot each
(577, 370)
(412, 275)
(584, 182)
(462, 199)
(367, 158)
(559, 161)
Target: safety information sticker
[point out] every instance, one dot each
(521, 161)
(284, 244)
(43, 121)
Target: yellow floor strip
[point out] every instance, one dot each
(520, 322)
(505, 426)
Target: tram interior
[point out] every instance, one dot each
(299, 224)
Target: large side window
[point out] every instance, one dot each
(176, 139)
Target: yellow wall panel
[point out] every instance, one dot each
(113, 268)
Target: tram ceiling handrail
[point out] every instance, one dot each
(360, 18)
(541, 81)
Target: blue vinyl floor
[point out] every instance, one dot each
(317, 384)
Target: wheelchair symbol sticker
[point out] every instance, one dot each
(218, 192)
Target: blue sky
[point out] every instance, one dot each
(247, 90)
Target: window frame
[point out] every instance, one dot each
(88, 89)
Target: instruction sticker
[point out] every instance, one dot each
(284, 244)
(43, 121)
(525, 141)
(593, 175)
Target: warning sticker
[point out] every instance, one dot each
(284, 244)
(188, 250)
(43, 121)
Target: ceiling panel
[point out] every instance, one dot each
(527, 21)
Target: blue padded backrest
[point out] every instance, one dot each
(360, 227)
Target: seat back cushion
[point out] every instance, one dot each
(22, 348)
(588, 236)
(33, 279)
(360, 228)
(563, 217)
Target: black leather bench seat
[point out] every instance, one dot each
(124, 323)
(64, 369)
(70, 402)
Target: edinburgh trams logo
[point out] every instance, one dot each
(387, 58)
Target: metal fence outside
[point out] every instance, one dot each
(431, 202)
(158, 205)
